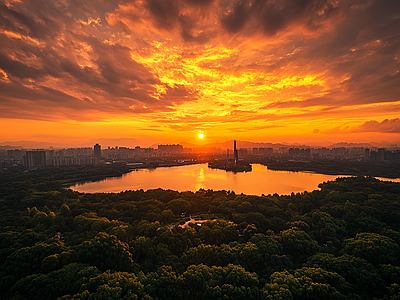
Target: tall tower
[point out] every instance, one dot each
(235, 152)
(97, 150)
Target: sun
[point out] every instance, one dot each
(201, 136)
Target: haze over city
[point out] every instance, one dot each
(164, 71)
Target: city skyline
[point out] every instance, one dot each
(306, 72)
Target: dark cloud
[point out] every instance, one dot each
(110, 80)
(200, 2)
(54, 94)
(235, 20)
(186, 15)
(71, 68)
(37, 93)
(386, 126)
(19, 69)
(177, 95)
(165, 13)
(109, 72)
(25, 24)
(188, 26)
(274, 16)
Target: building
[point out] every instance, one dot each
(232, 162)
(367, 154)
(35, 159)
(97, 150)
(170, 148)
(235, 152)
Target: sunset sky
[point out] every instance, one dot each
(164, 71)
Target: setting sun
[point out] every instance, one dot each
(201, 136)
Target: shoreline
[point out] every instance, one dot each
(197, 178)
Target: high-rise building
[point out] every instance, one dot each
(367, 153)
(97, 150)
(381, 154)
(170, 148)
(232, 162)
(35, 159)
(235, 152)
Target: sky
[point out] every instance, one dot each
(164, 71)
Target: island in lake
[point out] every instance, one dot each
(231, 164)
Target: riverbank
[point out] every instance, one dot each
(112, 170)
(235, 169)
(337, 167)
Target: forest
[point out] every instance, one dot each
(338, 242)
(334, 167)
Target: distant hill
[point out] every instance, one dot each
(30, 145)
(112, 142)
(349, 145)
(8, 147)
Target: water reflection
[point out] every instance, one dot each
(193, 177)
(201, 175)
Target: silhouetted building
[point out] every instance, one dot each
(170, 148)
(97, 150)
(232, 162)
(367, 153)
(235, 152)
(242, 152)
(266, 151)
(35, 159)
(14, 153)
(283, 150)
(300, 153)
(381, 154)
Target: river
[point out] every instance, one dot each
(194, 177)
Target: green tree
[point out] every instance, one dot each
(363, 275)
(67, 280)
(179, 206)
(106, 252)
(298, 244)
(375, 248)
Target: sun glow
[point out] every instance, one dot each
(201, 135)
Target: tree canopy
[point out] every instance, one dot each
(338, 242)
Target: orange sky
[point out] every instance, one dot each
(163, 71)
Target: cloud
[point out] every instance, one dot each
(273, 17)
(26, 24)
(372, 126)
(386, 126)
(73, 66)
(19, 69)
(202, 62)
(164, 12)
(235, 20)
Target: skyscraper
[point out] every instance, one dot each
(35, 159)
(235, 152)
(97, 150)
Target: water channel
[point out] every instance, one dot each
(194, 177)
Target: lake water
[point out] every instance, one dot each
(193, 177)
